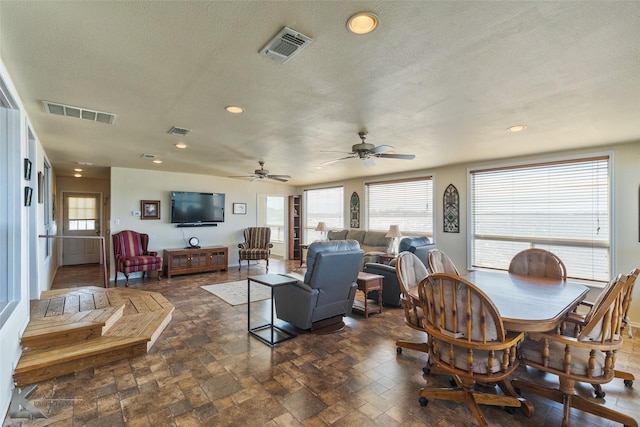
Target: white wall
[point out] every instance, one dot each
(17, 316)
(130, 186)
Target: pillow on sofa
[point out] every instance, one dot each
(337, 234)
(356, 235)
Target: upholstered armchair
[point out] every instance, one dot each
(131, 254)
(467, 339)
(589, 357)
(318, 301)
(257, 245)
(538, 262)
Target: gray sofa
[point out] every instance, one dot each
(373, 243)
(391, 288)
(327, 289)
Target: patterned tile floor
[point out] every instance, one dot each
(206, 370)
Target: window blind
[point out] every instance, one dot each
(323, 204)
(559, 206)
(406, 203)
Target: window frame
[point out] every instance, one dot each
(556, 241)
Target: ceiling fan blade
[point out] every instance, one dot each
(396, 156)
(368, 162)
(382, 149)
(244, 176)
(277, 178)
(337, 160)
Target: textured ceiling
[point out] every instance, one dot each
(441, 80)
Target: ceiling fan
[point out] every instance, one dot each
(263, 173)
(367, 152)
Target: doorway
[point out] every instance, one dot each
(81, 218)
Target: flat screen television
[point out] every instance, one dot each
(196, 208)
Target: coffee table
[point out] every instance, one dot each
(268, 333)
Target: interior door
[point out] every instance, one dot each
(81, 219)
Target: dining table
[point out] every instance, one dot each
(529, 303)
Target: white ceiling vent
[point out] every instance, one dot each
(285, 45)
(78, 112)
(149, 156)
(179, 131)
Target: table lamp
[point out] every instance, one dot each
(322, 228)
(394, 233)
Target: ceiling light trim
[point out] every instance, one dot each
(363, 23)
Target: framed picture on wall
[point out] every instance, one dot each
(27, 169)
(239, 208)
(150, 209)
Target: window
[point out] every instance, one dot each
(275, 206)
(406, 203)
(325, 204)
(82, 214)
(560, 206)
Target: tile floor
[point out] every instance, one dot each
(206, 370)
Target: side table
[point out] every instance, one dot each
(273, 281)
(368, 282)
(386, 258)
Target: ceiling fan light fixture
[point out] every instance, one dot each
(362, 23)
(234, 109)
(516, 128)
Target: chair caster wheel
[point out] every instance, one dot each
(399, 350)
(423, 401)
(628, 383)
(509, 410)
(600, 394)
(452, 382)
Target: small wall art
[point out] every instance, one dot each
(239, 208)
(150, 209)
(41, 187)
(354, 210)
(28, 192)
(451, 209)
(27, 169)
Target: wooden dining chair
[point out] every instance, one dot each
(576, 321)
(467, 339)
(589, 357)
(538, 262)
(439, 262)
(410, 271)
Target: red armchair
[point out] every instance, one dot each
(131, 254)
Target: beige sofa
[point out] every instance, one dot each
(373, 243)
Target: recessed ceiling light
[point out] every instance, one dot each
(234, 109)
(78, 170)
(85, 163)
(181, 145)
(362, 23)
(158, 161)
(77, 175)
(517, 128)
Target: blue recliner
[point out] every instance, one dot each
(326, 294)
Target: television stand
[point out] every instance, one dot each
(195, 260)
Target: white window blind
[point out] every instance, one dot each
(406, 203)
(559, 206)
(323, 204)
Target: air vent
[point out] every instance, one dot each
(285, 45)
(179, 131)
(78, 112)
(149, 156)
